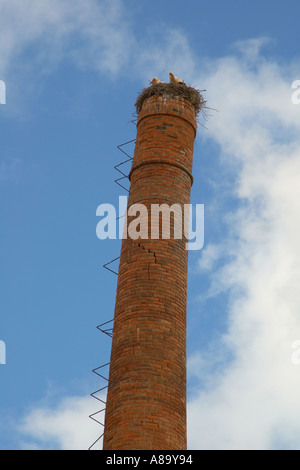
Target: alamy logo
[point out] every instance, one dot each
(295, 358)
(2, 352)
(296, 94)
(160, 221)
(2, 92)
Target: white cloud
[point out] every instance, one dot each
(252, 402)
(162, 50)
(209, 256)
(91, 33)
(64, 426)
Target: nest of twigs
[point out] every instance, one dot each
(172, 91)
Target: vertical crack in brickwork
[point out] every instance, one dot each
(148, 251)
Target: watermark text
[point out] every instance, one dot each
(159, 221)
(2, 352)
(296, 94)
(2, 92)
(295, 357)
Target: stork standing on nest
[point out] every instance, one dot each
(175, 80)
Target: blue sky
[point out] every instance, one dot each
(73, 70)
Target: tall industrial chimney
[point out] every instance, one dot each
(146, 400)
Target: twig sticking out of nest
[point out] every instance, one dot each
(162, 89)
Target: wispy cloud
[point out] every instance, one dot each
(209, 256)
(93, 35)
(162, 50)
(64, 426)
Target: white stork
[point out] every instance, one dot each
(175, 80)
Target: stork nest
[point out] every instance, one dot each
(172, 91)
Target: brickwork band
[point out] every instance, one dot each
(146, 401)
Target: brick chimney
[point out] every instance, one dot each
(146, 401)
